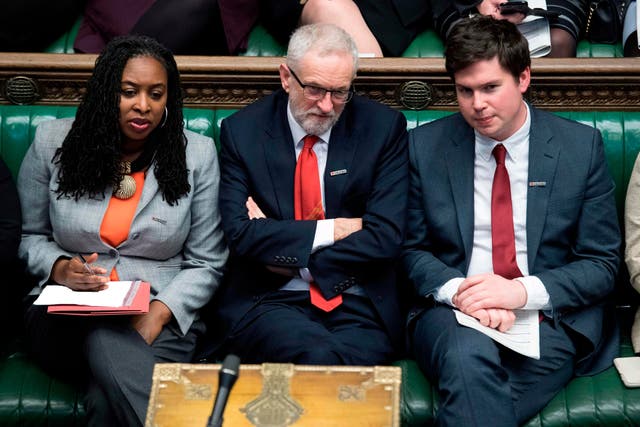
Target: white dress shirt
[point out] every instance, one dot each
(517, 164)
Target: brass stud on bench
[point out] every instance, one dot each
(414, 95)
(21, 90)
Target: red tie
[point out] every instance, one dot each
(502, 234)
(307, 201)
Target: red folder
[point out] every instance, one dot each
(139, 305)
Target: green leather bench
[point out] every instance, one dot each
(29, 397)
(426, 45)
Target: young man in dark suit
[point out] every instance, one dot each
(313, 198)
(510, 208)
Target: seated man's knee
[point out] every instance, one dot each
(318, 354)
(447, 346)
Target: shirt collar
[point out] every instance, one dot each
(516, 144)
(298, 133)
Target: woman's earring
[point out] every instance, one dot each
(166, 114)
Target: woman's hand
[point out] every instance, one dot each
(73, 274)
(492, 8)
(149, 325)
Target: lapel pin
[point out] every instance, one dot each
(338, 172)
(160, 220)
(537, 183)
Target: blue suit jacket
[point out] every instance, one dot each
(573, 238)
(368, 145)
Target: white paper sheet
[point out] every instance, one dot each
(536, 30)
(523, 337)
(114, 296)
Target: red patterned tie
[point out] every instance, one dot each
(307, 200)
(502, 234)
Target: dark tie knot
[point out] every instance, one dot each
(309, 141)
(499, 152)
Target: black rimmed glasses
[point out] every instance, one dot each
(315, 93)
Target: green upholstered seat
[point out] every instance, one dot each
(29, 397)
(598, 50)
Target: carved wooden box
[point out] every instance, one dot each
(277, 395)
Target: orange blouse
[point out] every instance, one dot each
(118, 217)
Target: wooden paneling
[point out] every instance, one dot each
(233, 82)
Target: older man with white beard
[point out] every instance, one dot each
(313, 199)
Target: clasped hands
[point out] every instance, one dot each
(73, 274)
(491, 299)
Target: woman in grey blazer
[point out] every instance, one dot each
(124, 185)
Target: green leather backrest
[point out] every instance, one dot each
(620, 130)
(18, 124)
(261, 43)
(426, 45)
(64, 44)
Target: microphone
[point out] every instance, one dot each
(226, 379)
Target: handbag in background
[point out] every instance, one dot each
(604, 21)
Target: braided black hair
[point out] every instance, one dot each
(89, 157)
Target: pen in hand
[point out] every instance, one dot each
(87, 268)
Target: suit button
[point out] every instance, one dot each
(135, 236)
(295, 259)
(113, 252)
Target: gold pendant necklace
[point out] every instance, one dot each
(127, 186)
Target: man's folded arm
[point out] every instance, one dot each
(267, 240)
(350, 259)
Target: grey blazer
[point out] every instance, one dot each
(179, 250)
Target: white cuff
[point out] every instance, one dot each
(305, 275)
(537, 295)
(448, 290)
(324, 234)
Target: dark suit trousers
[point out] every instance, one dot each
(482, 383)
(110, 357)
(285, 328)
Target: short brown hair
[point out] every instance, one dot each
(481, 38)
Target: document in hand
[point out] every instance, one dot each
(120, 298)
(523, 337)
(536, 30)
